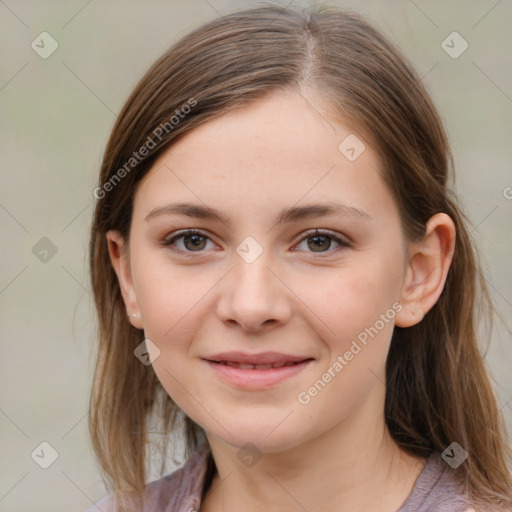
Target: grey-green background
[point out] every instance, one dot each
(56, 114)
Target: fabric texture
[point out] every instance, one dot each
(181, 491)
(435, 490)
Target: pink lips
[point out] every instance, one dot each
(252, 371)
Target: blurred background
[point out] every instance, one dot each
(66, 69)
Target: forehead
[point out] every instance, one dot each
(280, 150)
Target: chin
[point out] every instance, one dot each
(266, 436)
(254, 441)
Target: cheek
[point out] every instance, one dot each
(352, 299)
(359, 307)
(170, 298)
(173, 302)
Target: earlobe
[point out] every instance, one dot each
(119, 257)
(427, 269)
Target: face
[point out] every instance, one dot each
(257, 316)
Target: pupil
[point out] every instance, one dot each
(195, 239)
(318, 244)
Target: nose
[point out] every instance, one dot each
(254, 297)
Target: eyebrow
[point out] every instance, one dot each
(288, 215)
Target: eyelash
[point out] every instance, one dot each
(168, 242)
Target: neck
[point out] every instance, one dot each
(355, 466)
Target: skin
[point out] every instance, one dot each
(335, 452)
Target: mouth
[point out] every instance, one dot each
(246, 371)
(245, 366)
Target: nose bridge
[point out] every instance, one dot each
(252, 277)
(253, 295)
(253, 282)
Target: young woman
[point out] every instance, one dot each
(279, 264)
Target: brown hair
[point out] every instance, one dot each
(438, 390)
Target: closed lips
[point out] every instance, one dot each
(261, 361)
(247, 366)
(244, 371)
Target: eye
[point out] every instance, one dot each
(320, 241)
(193, 241)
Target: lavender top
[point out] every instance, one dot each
(182, 490)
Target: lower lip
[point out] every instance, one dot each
(256, 379)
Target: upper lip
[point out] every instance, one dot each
(261, 358)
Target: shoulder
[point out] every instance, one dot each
(182, 485)
(471, 509)
(438, 489)
(435, 489)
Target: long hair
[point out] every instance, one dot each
(438, 390)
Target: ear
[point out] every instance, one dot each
(428, 264)
(120, 258)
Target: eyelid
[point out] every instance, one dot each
(344, 242)
(170, 239)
